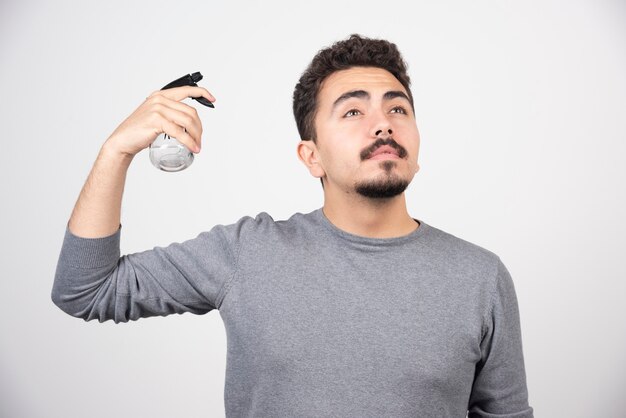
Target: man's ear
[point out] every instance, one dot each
(309, 155)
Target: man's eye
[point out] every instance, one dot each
(398, 109)
(352, 112)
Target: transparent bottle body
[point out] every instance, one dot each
(167, 154)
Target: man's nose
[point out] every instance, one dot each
(379, 132)
(380, 125)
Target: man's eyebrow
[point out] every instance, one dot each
(395, 93)
(361, 94)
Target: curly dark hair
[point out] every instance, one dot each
(356, 51)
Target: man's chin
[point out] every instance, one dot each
(382, 189)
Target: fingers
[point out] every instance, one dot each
(180, 93)
(186, 121)
(180, 113)
(176, 119)
(176, 131)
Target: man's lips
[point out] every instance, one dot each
(383, 149)
(384, 152)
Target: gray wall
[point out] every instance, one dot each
(521, 108)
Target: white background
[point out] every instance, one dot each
(521, 108)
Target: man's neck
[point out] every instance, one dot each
(372, 218)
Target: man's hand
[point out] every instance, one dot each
(161, 112)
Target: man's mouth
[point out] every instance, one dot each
(383, 149)
(384, 152)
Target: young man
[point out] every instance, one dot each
(355, 309)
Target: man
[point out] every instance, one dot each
(353, 310)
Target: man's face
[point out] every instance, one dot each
(367, 137)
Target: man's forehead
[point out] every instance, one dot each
(367, 79)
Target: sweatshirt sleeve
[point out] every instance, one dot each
(499, 388)
(92, 281)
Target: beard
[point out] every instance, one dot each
(384, 187)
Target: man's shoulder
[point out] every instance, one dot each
(264, 224)
(455, 249)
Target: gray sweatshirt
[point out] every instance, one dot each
(321, 322)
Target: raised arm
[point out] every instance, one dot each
(92, 281)
(97, 211)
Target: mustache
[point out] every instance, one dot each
(365, 154)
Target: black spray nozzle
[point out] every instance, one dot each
(189, 80)
(196, 77)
